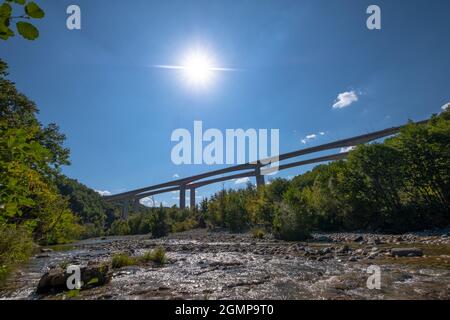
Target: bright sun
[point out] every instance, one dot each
(198, 68)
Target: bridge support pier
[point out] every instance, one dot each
(259, 177)
(182, 197)
(192, 199)
(125, 207)
(135, 204)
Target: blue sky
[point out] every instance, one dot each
(292, 60)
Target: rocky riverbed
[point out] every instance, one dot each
(220, 265)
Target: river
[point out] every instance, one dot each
(220, 265)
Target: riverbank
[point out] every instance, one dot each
(220, 265)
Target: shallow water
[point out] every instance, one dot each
(222, 266)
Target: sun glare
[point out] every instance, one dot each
(198, 68)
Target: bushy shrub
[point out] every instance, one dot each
(120, 260)
(185, 225)
(157, 255)
(119, 228)
(90, 230)
(258, 233)
(140, 223)
(236, 217)
(16, 246)
(160, 227)
(291, 225)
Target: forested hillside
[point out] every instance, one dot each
(93, 212)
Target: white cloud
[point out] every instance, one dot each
(242, 180)
(311, 137)
(345, 99)
(445, 106)
(347, 149)
(103, 193)
(148, 202)
(176, 175)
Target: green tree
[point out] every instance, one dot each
(20, 13)
(17, 111)
(373, 182)
(160, 227)
(294, 220)
(326, 197)
(216, 210)
(120, 228)
(16, 246)
(203, 213)
(28, 196)
(29, 161)
(425, 149)
(262, 207)
(236, 217)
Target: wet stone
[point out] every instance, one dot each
(406, 252)
(56, 279)
(296, 271)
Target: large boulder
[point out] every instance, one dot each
(56, 280)
(406, 252)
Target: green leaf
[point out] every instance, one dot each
(5, 10)
(27, 30)
(3, 24)
(22, 2)
(5, 32)
(34, 11)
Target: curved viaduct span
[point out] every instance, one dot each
(255, 169)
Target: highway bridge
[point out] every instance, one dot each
(257, 169)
